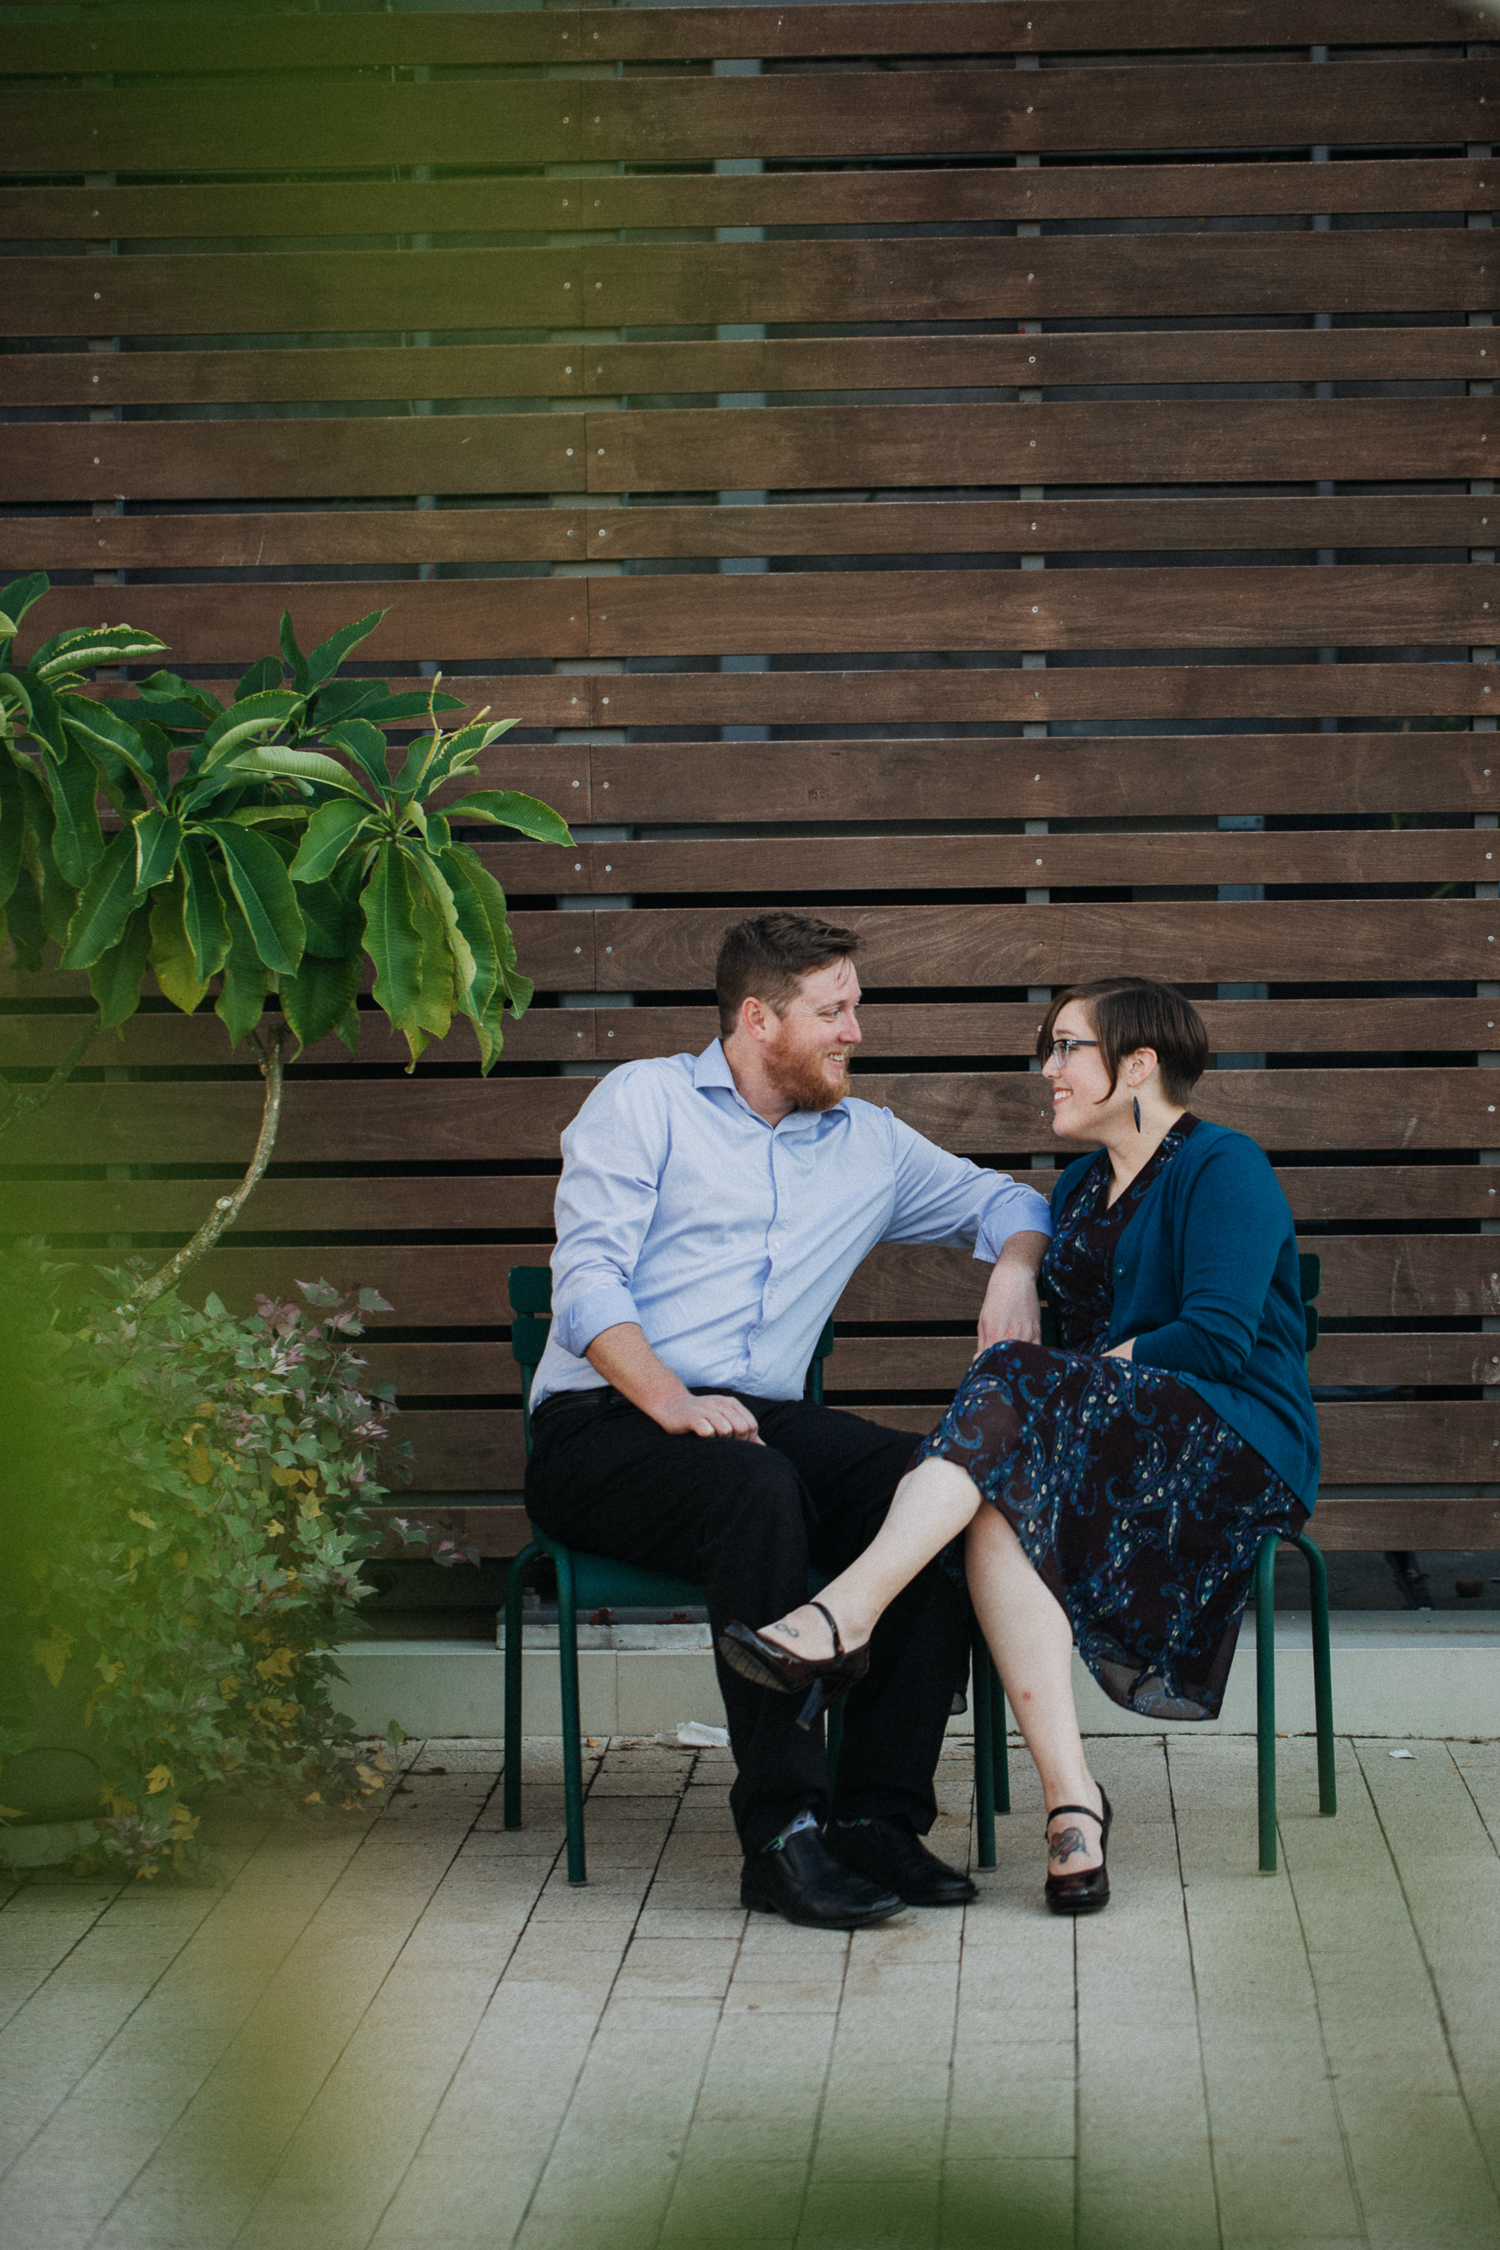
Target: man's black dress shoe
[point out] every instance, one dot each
(893, 1855)
(803, 1882)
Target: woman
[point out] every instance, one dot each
(1130, 1475)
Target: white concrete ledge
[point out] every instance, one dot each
(1411, 1673)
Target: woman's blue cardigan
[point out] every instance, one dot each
(1206, 1281)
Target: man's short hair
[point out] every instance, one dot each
(769, 955)
(1132, 1012)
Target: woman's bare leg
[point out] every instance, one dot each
(931, 1505)
(1032, 1644)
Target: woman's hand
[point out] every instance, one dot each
(1011, 1313)
(1121, 1351)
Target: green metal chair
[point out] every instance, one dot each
(1311, 1276)
(588, 1582)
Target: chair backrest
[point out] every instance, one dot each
(531, 1305)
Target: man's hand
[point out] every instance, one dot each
(709, 1416)
(629, 1365)
(1010, 1312)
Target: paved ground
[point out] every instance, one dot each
(409, 2032)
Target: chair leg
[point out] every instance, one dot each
(1265, 1698)
(835, 1740)
(515, 1588)
(1317, 1577)
(572, 1724)
(981, 1687)
(997, 1729)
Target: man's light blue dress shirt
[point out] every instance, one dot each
(730, 1243)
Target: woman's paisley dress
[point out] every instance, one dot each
(1141, 1510)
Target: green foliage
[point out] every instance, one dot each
(183, 1536)
(281, 854)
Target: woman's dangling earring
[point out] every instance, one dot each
(1136, 1106)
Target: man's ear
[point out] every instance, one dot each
(755, 1018)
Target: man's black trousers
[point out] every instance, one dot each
(744, 1521)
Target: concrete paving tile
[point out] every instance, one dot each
(693, 1968)
(872, 2212)
(688, 1848)
(745, 2202)
(40, 1925)
(933, 1933)
(908, 2132)
(1011, 2099)
(666, 1921)
(704, 1811)
(1007, 2204)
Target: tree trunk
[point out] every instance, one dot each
(37, 1097)
(228, 1207)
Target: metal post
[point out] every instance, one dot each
(1265, 1698)
(981, 1678)
(1317, 1579)
(515, 1589)
(572, 1725)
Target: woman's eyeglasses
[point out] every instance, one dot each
(1061, 1049)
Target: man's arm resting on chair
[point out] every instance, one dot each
(1010, 1312)
(626, 1361)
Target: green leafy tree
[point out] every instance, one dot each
(263, 850)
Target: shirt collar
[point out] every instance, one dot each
(711, 1069)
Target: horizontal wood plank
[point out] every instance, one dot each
(953, 195)
(808, 613)
(320, 458)
(1107, 277)
(296, 374)
(832, 527)
(965, 862)
(666, 948)
(795, 448)
(562, 35)
(465, 1119)
(272, 292)
(961, 112)
(1087, 777)
(276, 128)
(412, 1203)
(461, 1285)
(931, 695)
(442, 620)
(408, 536)
(167, 1040)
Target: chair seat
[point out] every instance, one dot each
(599, 1583)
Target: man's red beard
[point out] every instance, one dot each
(803, 1083)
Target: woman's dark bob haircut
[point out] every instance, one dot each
(1132, 1012)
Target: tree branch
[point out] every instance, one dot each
(228, 1207)
(37, 1097)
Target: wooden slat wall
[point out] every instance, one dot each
(1018, 477)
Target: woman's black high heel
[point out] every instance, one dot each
(1087, 1891)
(826, 1678)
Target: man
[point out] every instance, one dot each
(710, 1212)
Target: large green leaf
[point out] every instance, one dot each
(325, 659)
(365, 744)
(183, 705)
(172, 956)
(262, 675)
(330, 915)
(278, 760)
(391, 937)
(76, 838)
(453, 935)
(316, 1000)
(385, 710)
(203, 917)
(236, 728)
(18, 597)
(104, 904)
(510, 808)
(83, 646)
(291, 654)
(158, 840)
(23, 916)
(242, 996)
(115, 979)
(258, 877)
(46, 721)
(108, 736)
(12, 824)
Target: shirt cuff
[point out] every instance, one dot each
(1033, 1215)
(576, 1325)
